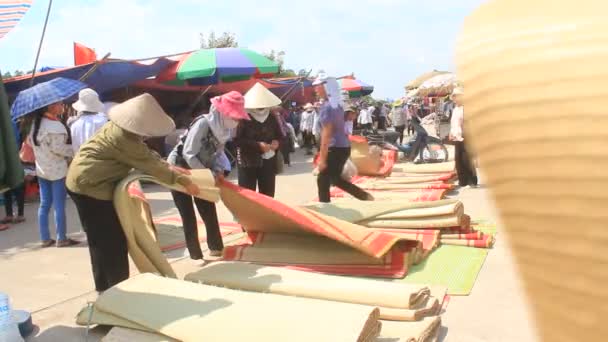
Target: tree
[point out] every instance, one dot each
(7, 75)
(225, 40)
(303, 73)
(277, 56)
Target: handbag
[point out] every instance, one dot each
(26, 153)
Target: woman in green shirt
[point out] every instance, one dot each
(101, 164)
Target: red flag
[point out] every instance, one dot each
(83, 54)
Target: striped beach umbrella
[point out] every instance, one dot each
(212, 66)
(355, 88)
(10, 14)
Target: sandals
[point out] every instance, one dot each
(4, 227)
(47, 243)
(67, 243)
(19, 219)
(215, 253)
(7, 220)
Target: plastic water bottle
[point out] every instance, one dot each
(9, 331)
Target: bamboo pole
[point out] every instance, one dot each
(46, 21)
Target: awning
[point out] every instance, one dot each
(104, 75)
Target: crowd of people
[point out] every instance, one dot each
(88, 154)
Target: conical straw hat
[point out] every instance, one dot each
(143, 116)
(536, 77)
(259, 97)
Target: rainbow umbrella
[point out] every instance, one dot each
(355, 87)
(212, 66)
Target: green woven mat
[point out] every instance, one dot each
(455, 267)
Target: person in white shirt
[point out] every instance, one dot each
(382, 118)
(398, 117)
(307, 124)
(90, 117)
(349, 117)
(365, 119)
(467, 174)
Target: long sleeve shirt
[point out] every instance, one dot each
(84, 127)
(52, 151)
(108, 157)
(248, 137)
(457, 124)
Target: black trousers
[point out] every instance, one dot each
(368, 127)
(400, 130)
(382, 123)
(18, 194)
(208, 212)
(107, 241)
(261, 178)
(308, 140)
(332, 175)
(410, 128)
(466, 171)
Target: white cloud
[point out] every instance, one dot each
(385, 42)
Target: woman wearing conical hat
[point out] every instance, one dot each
(257, 142)
(101, 163)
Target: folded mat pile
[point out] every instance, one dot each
(425, 330)
(424, 168)
(136, 218)
(445, 217)
(187, 312)
(399, 302)
(292, 236)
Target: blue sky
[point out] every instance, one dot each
(384, 42)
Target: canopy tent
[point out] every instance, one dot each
(417, 82)
(355, 88)
(11, 171)
(104, 75)
(213, 66)
(11, 12)
(293, 89)
(439, 85)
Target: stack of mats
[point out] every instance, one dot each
(407, 312)
(443, 219)
(186, 311)
(300, 238)
(152, 308)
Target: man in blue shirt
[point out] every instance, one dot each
(335, 146)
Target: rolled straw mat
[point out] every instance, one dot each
(356, 211)
(409, 302)
(382, 185)
(424, 168)
(425, 330)
(136, 219)
(193, 312)
(259, 213)
(411, 195)
(534, 74)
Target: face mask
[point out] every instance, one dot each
(230, 123)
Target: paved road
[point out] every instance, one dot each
(56, 283)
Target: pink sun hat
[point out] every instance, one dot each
(232, 105)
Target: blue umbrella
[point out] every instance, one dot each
(44, 94)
